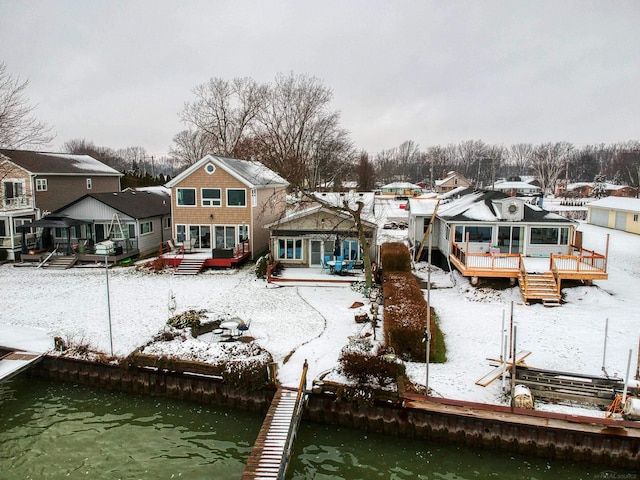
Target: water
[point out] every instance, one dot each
(56, 430)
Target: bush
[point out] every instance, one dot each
(367, 367)
(395, 257)
(261, 266)
(189, 319)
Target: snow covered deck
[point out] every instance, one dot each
(314, 276)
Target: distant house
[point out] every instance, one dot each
(615, 212)
(451, 181)
(36, 183)
(138, 221)
(401, 188)
(516, 189)
(219, 203)
(585, 189)
(306, 235)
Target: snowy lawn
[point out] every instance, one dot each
(314, 323)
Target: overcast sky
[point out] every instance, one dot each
(435, 72)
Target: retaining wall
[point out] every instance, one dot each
(612, 449)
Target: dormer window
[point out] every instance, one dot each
(209, 168)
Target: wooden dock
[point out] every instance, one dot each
(15, 362)
(269, 458)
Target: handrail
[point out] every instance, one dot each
(293, 427)
(48, 257)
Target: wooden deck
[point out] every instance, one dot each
(270, 455)
(231, 258)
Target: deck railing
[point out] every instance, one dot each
(490, 261)
(584, 261)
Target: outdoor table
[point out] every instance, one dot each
(332, 264)
(231, 325)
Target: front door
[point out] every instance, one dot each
(316, 252)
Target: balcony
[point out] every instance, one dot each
(17, 203)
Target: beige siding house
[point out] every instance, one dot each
(219, 203)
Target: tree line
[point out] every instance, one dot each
(288, 125)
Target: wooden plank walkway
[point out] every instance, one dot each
(15, 362)
(269, 458)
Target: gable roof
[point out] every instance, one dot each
(313, 209)
(251, 173)
(135, 204)
(45, 163)
(484, 206)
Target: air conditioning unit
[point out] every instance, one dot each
(512, 210)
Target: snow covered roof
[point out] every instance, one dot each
(59, 163)
(422, 207)
(617, 203)
(337, 199)
(607, 186)
(251, 173)
(402, 185)
(135, 204)
(485, 206)
(515, 186)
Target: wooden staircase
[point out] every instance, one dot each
(61, 262)
(190, 266)
(539, 286)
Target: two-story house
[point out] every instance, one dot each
(36, 183)
(451, 181)
(219, 203)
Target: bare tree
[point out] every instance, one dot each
(19, 128)
(189, 147)
(519, 157)
(549, 161)
(296, 129)
(223, 111)
(365, 173)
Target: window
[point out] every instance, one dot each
(635, 217)
(181, 233)
(290, 249)
(211, 197)
(131, 230)
(254, 197)
(146, 227)
(13, 189)
(41, 184)
(236, 197)
(549, 236)
(225, 236)
(186, 197)
(351, 250)
(166, 222)
(210, 168)
(89, 184)
(3, 228)
(243, 233)
(477, 234)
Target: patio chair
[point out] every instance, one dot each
(243, 327)
(349, 267)
(325, 263)
(338, 268)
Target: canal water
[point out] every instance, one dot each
(52, 430)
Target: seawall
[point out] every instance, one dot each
(563, 437)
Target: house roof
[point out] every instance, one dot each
(52, 221)
(135, 204)
(313, 209)
(251, 173)
(404, 185)
(45, 163)
(450, 175)
(514, 186)
(617, 203)
(484, 206)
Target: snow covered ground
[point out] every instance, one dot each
(314, 322)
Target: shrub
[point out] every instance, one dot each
(395, 257)
(369, 367)
(261, 266)
(189, 319)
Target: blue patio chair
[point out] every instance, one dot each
(338, 268)
(339, 258)
(349, 267)
(325, 263)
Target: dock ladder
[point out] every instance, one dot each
(270, 456)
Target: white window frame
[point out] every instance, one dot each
(166, 222)
(195, 197)
(243, 228)
(146, 228)
(294, 240)
(41, 185)
(211, 202)
(89, 184)
(236, 190)
(254, 197)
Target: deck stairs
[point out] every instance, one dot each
(190, 266)
(539, 286)
(61, 262)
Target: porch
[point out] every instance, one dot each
(539, 278)
(309, 276)
(211, 257)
